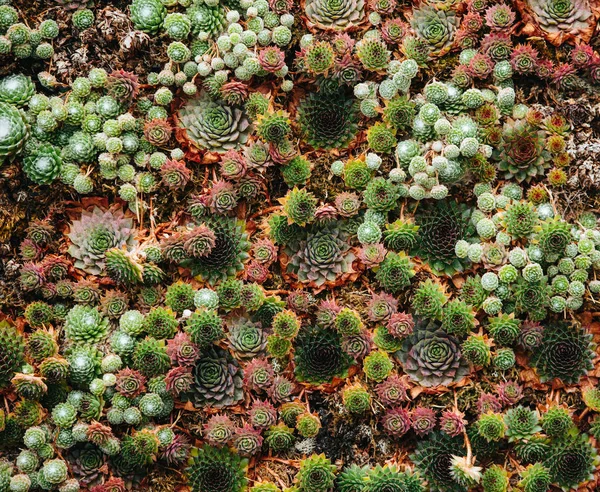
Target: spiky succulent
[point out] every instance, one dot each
(566, 353)
(85, 324)
(217, 380)
(571, 461)
(391, 478)
(148, 15)
(328, 120)
(441, 226)
(553, 236)
(352, 479)
(217, 470)
(319, 356)
(214, 126)
(431, 357)
(316, 474)
(12, 352)
(535, 478)
(44, 165)
(322, 257)
(523, 156)
(330, 14)
(150, 357)
(521, 423)
(394, 273)
(429, 299)
(400, 235)
(96, 232)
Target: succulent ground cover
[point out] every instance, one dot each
(278, 246)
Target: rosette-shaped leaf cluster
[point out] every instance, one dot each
(391, 478)
(335, 14)
(217, 470)
(217, 380)
(247, 339)
(96, 232)
(123, 85)
(85, 324)
(571, 461)
(431, 357)
(319, 356)
(322, 257)
(566, 353)
(433, 457)
(328, 120)
(147, 15)
(441, 226)
(435, 26)
(228, 255)
(214, 126)
(43, 165)
(15, 131)
(316, 474)
(522, 156)
(560, 20)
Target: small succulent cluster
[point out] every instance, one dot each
(21, 41)
(320, 245)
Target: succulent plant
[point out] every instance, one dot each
(523, 156)
(328, 14)
(96, 232)
(16, 131)
(322, 257)
(319, 356)
(217, 469)
(228, 255)
(85, 324)
(214, 126)
(432, 357)
(247, 339)
(558, 21)
(148, 15)
(150, 357)
(566, 353)
(316, 474)
(12, 353)
(432, 459)
(394, 273)
(571, 461)
(435, 26)
(535, 477)
(217, 380)
(441, 226)
(328, 121)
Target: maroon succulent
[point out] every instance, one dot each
(452, 423)
(400, 325)
(130, 383)
(123, 86)
(175, 174)
(423, 420)
(158, 132)
(509, 392)
(182, 350)
(179, 380)
(396, 422)
(392, 391)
